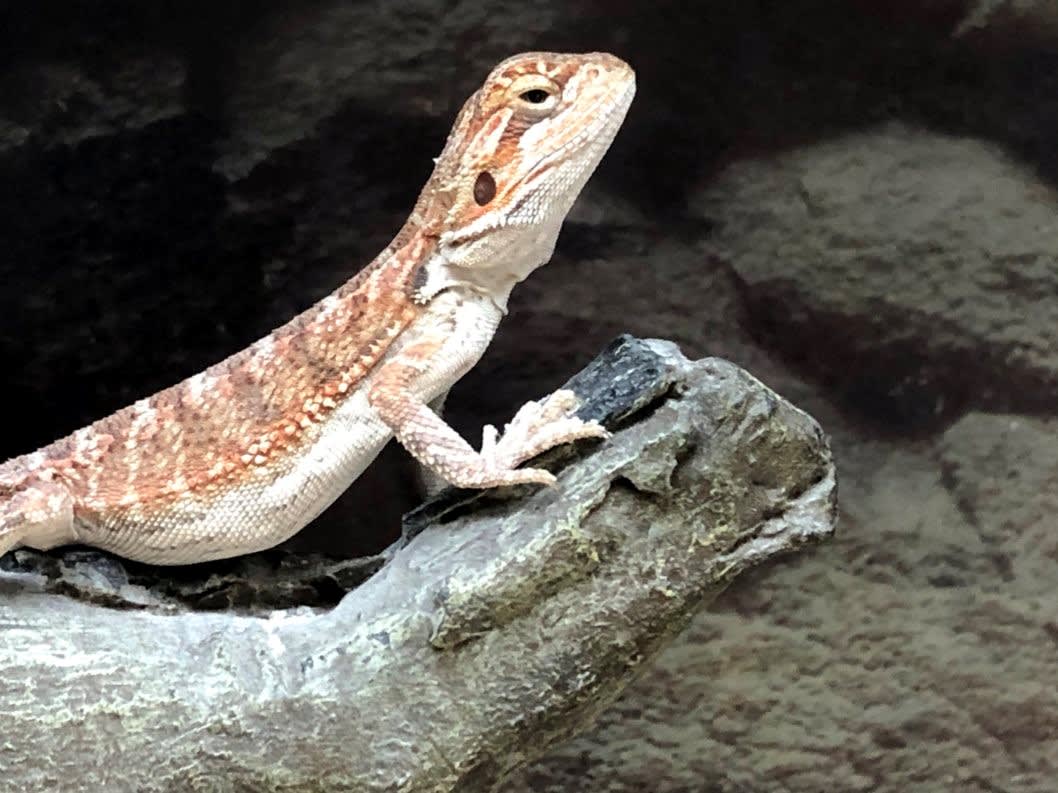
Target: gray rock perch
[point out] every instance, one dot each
(500, 627)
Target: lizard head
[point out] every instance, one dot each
(520, 151)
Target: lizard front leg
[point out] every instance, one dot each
(537, 427)
(430, 482)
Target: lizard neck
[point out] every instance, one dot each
(517, 253)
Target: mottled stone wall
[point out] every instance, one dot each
(855, 201)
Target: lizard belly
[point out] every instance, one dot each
(256, 514)
(272, 506)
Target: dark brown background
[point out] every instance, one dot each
(856, 201)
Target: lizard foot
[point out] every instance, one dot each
(535, 428)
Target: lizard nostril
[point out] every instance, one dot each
(484, 188)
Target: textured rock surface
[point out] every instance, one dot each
(922, 267)
(917, 651)
(480, 642)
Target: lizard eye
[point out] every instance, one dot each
(534, 95)
(484, 188)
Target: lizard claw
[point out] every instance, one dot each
(539, 426)
(535, 428)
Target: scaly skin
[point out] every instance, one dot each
(243, 455)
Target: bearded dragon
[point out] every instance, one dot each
(241, 456)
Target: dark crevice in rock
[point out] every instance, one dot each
(892, 389)
(622, 483)
(685, 454)
(253, 584)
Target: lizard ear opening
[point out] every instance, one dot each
(484, 188)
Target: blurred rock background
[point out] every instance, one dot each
(857, 201)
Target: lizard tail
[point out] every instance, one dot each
(12, 529)
(40, 514)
